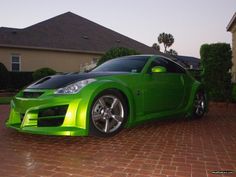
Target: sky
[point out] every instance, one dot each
(191, 22)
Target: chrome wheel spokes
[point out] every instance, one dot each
(199, 104)
(117, 118)
(115, 101)
(107, 113)
(102, 103)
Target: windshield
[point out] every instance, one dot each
(124, 64)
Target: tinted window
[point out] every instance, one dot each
(170, 66)
(123, 64)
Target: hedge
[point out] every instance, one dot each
(233, 99)
(20, 80)
(4, 76)
(216, 63)
(43, 72)
(11, 81)
(16, 80)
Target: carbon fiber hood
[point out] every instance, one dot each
(58, 81)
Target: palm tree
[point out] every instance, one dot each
(172, 52)
(166, 39)
(156, 46)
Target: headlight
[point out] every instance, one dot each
(75, 87)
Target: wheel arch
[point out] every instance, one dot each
(196, 87)
(102, 86)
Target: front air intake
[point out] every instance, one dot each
(52, 117)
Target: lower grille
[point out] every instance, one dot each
(53, 122)
(52, 117)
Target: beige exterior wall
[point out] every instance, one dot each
(34, 59)
(234, 52)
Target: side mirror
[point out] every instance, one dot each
(158, 69)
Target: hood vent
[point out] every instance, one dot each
(32, 94)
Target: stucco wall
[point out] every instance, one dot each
(234, 51)
(35, 59)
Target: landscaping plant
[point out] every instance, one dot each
(216, 64)
(43, 72)
(4, 77)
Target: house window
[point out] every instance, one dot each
(15, 63)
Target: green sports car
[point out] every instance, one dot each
(121, 92)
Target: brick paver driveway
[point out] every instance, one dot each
(177, 147)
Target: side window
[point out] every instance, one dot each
(156, 62)
(170, 66)
(15, 63)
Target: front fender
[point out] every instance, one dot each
(89, 93)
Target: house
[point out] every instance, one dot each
(232, 28)
(188, 61)
(65, 43)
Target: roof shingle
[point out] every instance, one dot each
(71, 32)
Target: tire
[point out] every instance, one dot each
(199, 104)
(108, 114)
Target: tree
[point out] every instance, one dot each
(172, 52)
(216, 63)
(166, 39)
(156, 46)
(43, 72)
(116, 52)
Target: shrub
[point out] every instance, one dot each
(12, 81)
(116, 52)
(20, 80)
(4, 77)
(234, 93)
(43, 72)
(216, 63)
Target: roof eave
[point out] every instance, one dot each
(229, 26)
(52, 49)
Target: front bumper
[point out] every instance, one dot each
(25, 114)
(60, 131)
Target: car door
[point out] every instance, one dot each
(163, 91)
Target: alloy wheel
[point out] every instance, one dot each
(200, 104)
(108, 113)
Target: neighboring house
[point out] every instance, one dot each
(232, 28)
(188, 62)
(65, 43)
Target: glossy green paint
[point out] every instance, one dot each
(149, 96)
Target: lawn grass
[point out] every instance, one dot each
(5, 100)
